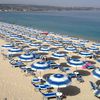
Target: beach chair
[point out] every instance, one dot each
(44, 86)
(80, 79)
(97, 52)
(93, 85)
(39, 86)
(19, 64)
(97, 93)
(35, 80)
(61, 68)
(66, 69)
(54, 66)
(23, 68)
(98, 59)
(29, 72)
(37, 56)
(10, 56)
(89, 66)
(49, 95)
(50, 62)
(12, 61)
(71, 75)
(16, 63)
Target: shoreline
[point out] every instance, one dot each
(61, 34)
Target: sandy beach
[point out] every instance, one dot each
(15, 85)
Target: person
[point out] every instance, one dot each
(44, 58)
(94, 56)
(90, 57)
(79, 78)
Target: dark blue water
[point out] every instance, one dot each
(85, 24)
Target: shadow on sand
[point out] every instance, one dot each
(70, 90)
(46, 76)
(51, 58)
(84, 72)
(76, 57)
(43, 53)
(64, 65)
(92, 62)
(98, 82)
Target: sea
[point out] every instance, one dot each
(82, 24)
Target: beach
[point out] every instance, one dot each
(15, 85)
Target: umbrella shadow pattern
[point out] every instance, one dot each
(46, 76)
(70, 90)
(64, 65)
(84, 72)
(92, 62)
(75, 57)
(98, 82)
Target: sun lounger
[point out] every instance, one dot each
(40, 86)
(97, 93)
(66, 69)
(89, 66)
(29, 72)
(49, 95)
(93, 85)
(44, 86)
(37, 56)
(12, 61)
(80, 79)
(23, 69)
(35, 80)
(61, 68)
(71, 75)
(50, 62)
(16, 63)
(98, 59)
(54, 66)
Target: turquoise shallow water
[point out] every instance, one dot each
(85, 24)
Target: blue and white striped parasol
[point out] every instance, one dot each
(84, 41)
(44, 49)
(27, 42)
(75, 63)
(70, 49)
(96, 73)
(78, 45)
(85, 53)
(96, 44)
(19, 38)
(14, 36)
(58, 55)
(93, 48)
(35, 44)
(40, 66)
(58, 81)
(26, 57)
(14, 51)
(67, 41)
(58, 44)
(7, 46)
